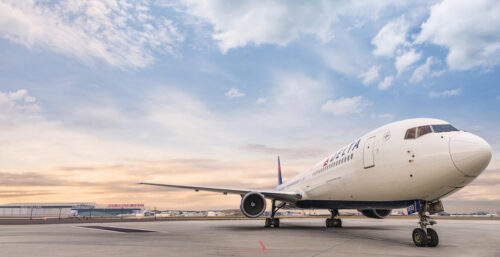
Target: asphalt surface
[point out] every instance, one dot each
(295, 237)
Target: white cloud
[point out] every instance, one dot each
(17, 94)
(343, 105)
(445, 93)
(386, 83)
(234, 92)
(29, 99)
(438, 73)
(406, 60)
(422, 71)
(100, 115)
(292, 101)
(261, 100)
(242, 23)
(346, 54)
(119, 33)
(469, 29)
(390, 37)
(181, 116)
(383, 116)
(371, 75)
(14, 102)
(297, 92)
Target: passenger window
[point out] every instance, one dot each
(410, 133)
(424, 130)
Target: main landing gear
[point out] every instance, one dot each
(272, 221)
(424, 236)
(334, 221)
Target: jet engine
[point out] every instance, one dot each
(253, 204)
(376, 213)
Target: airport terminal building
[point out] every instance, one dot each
(65, 210)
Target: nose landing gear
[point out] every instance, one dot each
(334, 221)
(424, 236)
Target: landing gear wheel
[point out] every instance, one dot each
(333, 223)
(419, 237)
(337, 223)
(276, 222)
(272, 222)
(432, 236)
(268, 223)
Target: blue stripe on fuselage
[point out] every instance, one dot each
(334, 204)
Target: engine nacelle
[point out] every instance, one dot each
(253, 204)
(376, 213)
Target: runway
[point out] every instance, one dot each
(295, 237)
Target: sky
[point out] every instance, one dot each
(96, 96)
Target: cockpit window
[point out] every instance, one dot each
(424, 130)
(443, 128)
(410, 133)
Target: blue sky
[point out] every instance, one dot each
(101, 94)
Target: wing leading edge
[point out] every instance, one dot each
(271, 194)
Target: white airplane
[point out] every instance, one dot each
(411, 163)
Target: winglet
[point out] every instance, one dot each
(280, 181)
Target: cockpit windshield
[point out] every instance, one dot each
(443, 128)
(410, 133)
(424, 130)
(413, 133)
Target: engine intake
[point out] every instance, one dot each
(253, 204)
(376, 213)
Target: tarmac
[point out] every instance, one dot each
(295, 237)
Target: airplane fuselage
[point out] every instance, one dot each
(385, 168)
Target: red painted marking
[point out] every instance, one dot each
(263, 247)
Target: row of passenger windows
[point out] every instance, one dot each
(335, 163)
(422, 130)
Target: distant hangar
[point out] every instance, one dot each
(65, 210)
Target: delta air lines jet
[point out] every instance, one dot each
(411, 163)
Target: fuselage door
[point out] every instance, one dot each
(368, 153)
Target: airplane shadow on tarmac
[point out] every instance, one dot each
(353, 232)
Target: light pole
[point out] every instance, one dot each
(31, 213)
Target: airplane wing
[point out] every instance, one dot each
(271, 194)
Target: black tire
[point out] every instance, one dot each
(337, 223)
(419, 237)
(432, 238)
(328, 223)
(276, 222)
(268, 223)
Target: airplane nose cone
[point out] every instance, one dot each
(470, 153)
